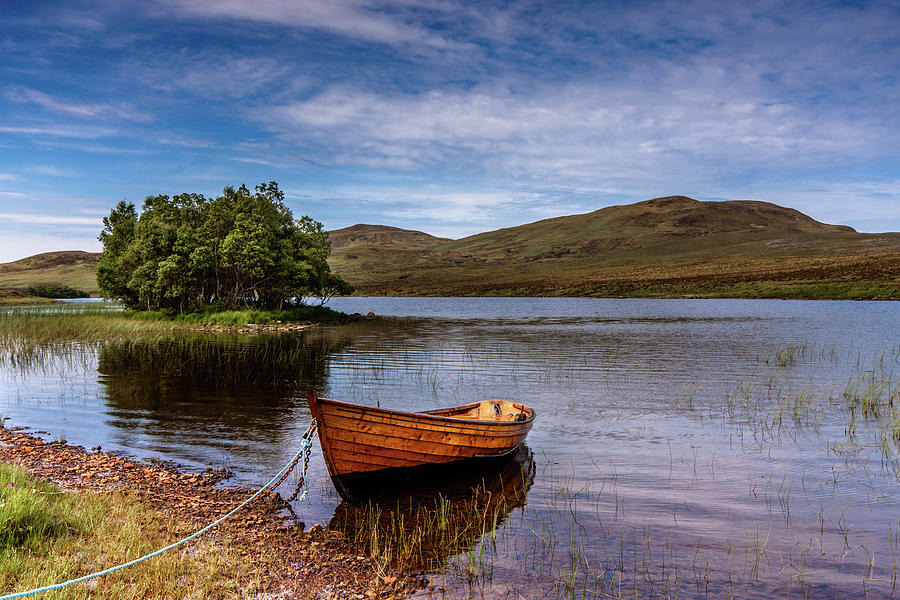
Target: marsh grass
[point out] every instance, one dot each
(26, 329)
(49, 536)
(20, 328)
(142, 354)
(582, 543)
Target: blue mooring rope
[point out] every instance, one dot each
(305, 443)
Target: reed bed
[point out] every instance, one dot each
(30, 328)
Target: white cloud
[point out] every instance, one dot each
(582, 131)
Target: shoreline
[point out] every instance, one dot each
(289, 562)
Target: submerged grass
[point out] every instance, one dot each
(49, 536)
(412, 535)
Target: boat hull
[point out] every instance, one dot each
(368, 448)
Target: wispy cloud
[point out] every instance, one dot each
(58, 130)
(52, 171)
(218, 74)
(76, 109)
(383, 22)
(42, 219)
(453, 117)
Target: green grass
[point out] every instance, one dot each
(26, 328)
(30, 512)
(49, 536)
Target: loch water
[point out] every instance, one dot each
(683, 448)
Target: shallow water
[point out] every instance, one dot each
(682, 447)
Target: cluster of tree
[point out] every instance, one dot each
(241, 250)
(56, 291)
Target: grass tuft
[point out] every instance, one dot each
(30, 512)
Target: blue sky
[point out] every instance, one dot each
(444, 116)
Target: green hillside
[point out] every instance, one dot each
(672, 246)
(73, 268)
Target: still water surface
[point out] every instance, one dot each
(691, 448)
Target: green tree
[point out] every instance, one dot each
(117, 236)
(242, 249)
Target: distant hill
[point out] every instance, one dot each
(74, 268)
(670, 246)
(673, 246)
(672, 223)
(382, 235)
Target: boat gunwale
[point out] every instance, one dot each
(437, 418)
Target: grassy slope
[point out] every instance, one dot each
(73, 268)
(671, 246)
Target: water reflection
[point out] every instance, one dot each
(424, 525)
(226, 393)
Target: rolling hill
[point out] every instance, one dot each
(670, 246)
(74, 268)
(673, 246)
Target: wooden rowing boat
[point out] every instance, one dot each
(368, 448)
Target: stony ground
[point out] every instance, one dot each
(292, 563)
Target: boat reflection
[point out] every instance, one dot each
(420, 527)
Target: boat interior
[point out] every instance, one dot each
(487, 410)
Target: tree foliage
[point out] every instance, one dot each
(56, 291)
(241, 250)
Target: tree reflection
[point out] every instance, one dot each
(237, 388)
